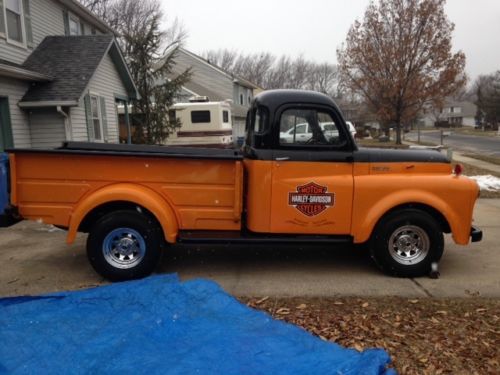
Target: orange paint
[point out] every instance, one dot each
(276, 196)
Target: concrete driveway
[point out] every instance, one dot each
(35, 259)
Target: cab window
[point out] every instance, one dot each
(300, 127)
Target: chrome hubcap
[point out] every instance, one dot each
(409, 244)
(124, 248)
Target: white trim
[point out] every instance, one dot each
(24, 43)
(20, 73)
(48, 103)
(99, 115)
(73, 17)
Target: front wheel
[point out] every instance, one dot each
(124, 245)
(405, 243)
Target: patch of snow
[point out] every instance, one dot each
(487, 182)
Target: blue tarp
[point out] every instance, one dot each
(162, 325)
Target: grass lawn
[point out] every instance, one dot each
(472, 131)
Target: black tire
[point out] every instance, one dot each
(406, 242)
(124, 245)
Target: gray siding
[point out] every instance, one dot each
(46, 19)
(47, 128)
(205, 75)
(107, 83)
(79, 123)
(14, 90)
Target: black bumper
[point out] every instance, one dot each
(476, 234)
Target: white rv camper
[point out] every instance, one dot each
(204, 123)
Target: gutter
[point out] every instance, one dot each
(67, 123)
(48, 103)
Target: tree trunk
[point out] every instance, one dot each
(398, 133)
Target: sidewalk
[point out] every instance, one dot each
(457, 156)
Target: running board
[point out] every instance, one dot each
(237, 237)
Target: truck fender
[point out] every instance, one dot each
(133, 193)
(364, 226)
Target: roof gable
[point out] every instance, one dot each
(72, 61)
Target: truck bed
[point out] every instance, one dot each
(88, 148)
(203, 187)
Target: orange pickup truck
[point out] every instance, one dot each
(299, 178)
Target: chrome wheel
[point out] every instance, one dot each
(409, 245)
(124, 248)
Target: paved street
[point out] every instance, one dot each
(36, 260)
(461, 142)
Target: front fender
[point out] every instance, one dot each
(364, 221)
(126, 192)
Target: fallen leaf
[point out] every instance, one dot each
(283, 311)
(262, 300)
(442, 312)
(366, 304)
(358, 347)
(480, 310)
(302, 306)
(338, 303)
(413, 301)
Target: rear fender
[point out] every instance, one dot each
(133, 193)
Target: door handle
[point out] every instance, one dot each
(283, 158)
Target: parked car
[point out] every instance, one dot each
(302, 133)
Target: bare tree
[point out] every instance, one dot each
(486, 91)
(399, 59)
(323, 78)
(270, 72)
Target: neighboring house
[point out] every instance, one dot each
(216, 84)
(61, 75)
(454, 114)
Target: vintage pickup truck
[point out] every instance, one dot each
(134, 200)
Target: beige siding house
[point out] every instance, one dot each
(61, 75)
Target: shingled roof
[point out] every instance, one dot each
(71, 61)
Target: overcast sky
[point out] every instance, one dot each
(316, 28)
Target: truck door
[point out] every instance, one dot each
(312, 180)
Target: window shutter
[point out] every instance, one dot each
(66, 22)
(27, 23)
(104, 119)
(2, 21)
(82, 28)
(88, 116)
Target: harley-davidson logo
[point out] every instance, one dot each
(311, 199)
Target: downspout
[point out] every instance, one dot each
(67, 127)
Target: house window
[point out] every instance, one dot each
(200, 117)
(74, 25)
(225, 117)
(241, 99)
(96, 118)
(452, 109)
(14, 20)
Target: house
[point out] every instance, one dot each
(210, 81)
(453, 113)
(61, 75)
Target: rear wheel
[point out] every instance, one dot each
(405, 243)
(124, 245)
